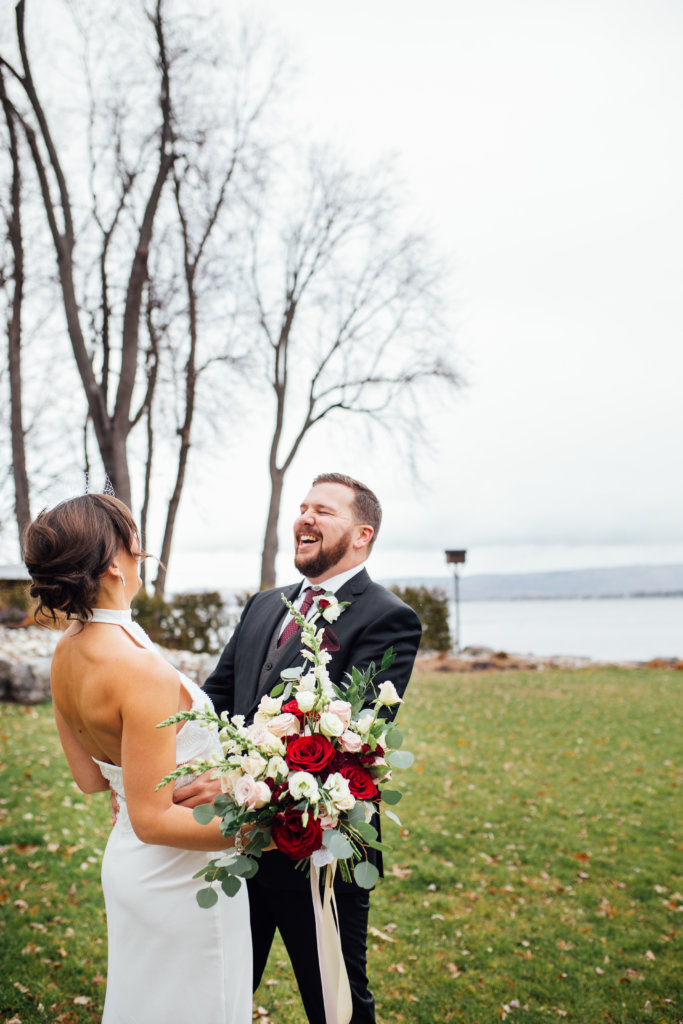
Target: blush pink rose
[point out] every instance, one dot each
(326, 821)
(342, 709)
(285, 725)
(350, 742)
(261, 797)
(244, 791)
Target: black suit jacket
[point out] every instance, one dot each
(374, 620)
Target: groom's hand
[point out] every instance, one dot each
(201, 790)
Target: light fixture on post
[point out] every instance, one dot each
(456, 558)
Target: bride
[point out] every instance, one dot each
(170, 962)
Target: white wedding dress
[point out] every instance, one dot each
(170, 961)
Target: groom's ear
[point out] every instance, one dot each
(365, 535)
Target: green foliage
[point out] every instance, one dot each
(431, 606)
(538, 866)
(189, 622)
(15, 602)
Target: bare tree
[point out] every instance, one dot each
(22, 507)
(357, 326)
(112, 428)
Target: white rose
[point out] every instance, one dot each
(270, 705)
(284, 725)
(302, 785)
(330, 724)
(337, 789)
(305, 700)
(253, 764)
(387, 694)
(362, 724)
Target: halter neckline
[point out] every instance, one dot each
(120, 616)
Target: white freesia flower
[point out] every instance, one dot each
(337, 789)
(303, 785)
(330, 724)
(387, 694)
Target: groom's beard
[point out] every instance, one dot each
(325, 560)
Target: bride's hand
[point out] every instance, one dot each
(201, 790)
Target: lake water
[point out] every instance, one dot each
(610, 630)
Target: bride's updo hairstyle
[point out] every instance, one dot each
(69, 547)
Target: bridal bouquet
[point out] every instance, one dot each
(309, 773)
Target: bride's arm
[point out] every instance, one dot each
(87, 775)
(148, 754)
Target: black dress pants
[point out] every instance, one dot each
(290, 911)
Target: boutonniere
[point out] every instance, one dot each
(329, 607)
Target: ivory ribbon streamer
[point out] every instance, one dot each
(335, 980)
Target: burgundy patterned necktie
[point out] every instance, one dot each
(291, 628)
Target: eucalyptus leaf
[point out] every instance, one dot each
(366, 831)
(356, 814)
(400, 758)
(203, 814)
(221, 804)
(395, 737)
(394, 817)
(231, 885)
(207, 898)
(337, 844)
(243, 866)
(391, 796)
(290, 675)
(366, 874)
(376, 845)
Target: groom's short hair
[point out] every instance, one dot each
(366, 506)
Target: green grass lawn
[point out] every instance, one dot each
(537, 876)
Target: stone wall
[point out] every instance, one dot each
(26, 656)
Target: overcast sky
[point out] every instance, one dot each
(542, 146)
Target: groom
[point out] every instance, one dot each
(333, 536)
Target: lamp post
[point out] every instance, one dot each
(456, 558)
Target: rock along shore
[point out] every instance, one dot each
(26, 654)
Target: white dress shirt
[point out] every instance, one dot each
(331, 585)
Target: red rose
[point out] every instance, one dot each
(309, 753)
(361, 782)
(323, 603)
(292, 708)
(292, 838)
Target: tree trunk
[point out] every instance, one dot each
(270, 543)
(22, 508)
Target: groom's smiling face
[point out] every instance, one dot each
(327, 538)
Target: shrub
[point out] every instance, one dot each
(189, 622)
(432, 609)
